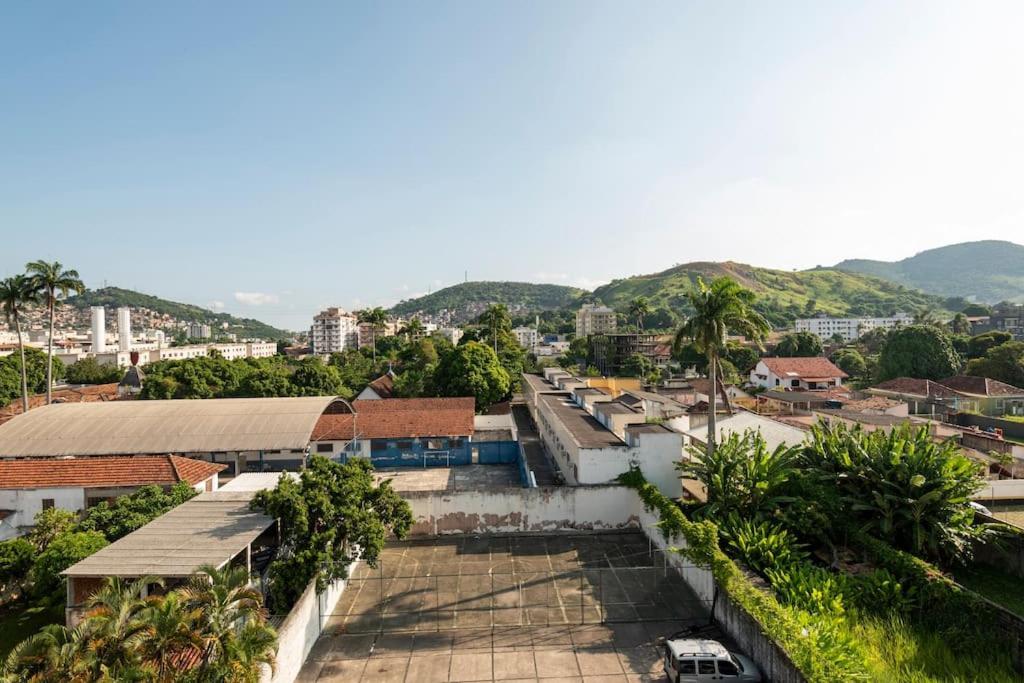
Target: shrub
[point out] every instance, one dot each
(64, 551)
(16, 557)
(760, 544)
(811, 588)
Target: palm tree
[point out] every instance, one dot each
(116, 623)
(412, 329)
(226, 604)
(719, 308)
(638, 308)
(173, 642)
(55, 653)
(375, 318)
(51, 280)
(15, 293)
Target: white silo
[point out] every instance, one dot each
(99, 330)
(124, 329)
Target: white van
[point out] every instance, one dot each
(691, 660)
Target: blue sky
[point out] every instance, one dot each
(274, 158)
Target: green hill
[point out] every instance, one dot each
(113, 297)
(782, 295)
(466, 300)
(989, 271)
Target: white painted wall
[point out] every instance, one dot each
(27, 503)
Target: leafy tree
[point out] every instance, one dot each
(16, 293)
(332, 514)
(90, 371)
(637, 365)
(979, 345)
(743, 357)
(976, 310)
(799, 344)
(903, 486)
(921, 351)
(64, 551)
(851, 362)
(354, 368)
(49, 524)
(960, 324)
(16, 557)
(1004, 363)
(34, 370)
(719, 308)
(412, 329)
(314, 378)
(873, 341)
(133, 511)
(51, 283)
(266, 382)
(472, 369)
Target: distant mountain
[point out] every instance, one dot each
(989, 271)
(465, 301)
(782, 295)
(112, 297)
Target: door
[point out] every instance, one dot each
(706, 670)
(688, 671)
(670, 665)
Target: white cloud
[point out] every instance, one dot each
(255, 298)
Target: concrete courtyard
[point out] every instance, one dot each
(500, 608)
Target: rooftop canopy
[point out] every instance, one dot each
(165, 427)
(209, 529)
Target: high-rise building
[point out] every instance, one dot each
(99, 329)
(334, 330)
(124, 329)
(527, 337)
(199, 331)
(594, 319)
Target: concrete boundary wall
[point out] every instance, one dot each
(300, 630)
(516, 510)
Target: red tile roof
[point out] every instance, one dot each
(916, 387)
(102, 471)
(85, 394)
(400, 418)
(981, 386)
(803, 367)
(384, 386)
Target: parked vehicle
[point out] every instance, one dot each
(694, 660)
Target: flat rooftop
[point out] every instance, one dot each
(614, 408)
(649, 428)
(209, 529)
(540, 385)
(450, 479)
(588, 432)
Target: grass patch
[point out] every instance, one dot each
(1001, 588)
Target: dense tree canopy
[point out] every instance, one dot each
(798, 344)
(850, 361)
(330, 515)
(921, 351)
(35, 365)
(91, 371)
(1004, 363)
(979, 345)
(472, 369)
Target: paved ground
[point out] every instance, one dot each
(457, 478)
(537, 458)
(506, 608)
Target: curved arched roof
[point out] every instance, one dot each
(158, 427)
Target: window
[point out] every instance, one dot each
(727, 668)
(47, 503)
(706, 666)
(376, 446)
(324, 448)
(794, 383)
(405, 445)
(687, 666)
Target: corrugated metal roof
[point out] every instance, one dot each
(209, 529)
(159, 427)
(774, 433)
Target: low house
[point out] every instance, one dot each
(400, 432)
(960, 393)
(774, 402)
(799, 374)
(994, 398)
(75, 484)
(215, 529)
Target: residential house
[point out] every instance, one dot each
(960, 393)
(381, 388)
(799, 374)
(994, 398)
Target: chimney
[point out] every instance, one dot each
(124, 329)
(99, 330)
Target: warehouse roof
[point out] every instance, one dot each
(162, 470)
(398, 418)
(209, 529)
(159, 427)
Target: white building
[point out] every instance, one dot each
(848, 328)
(124, 329)
(452, 334)
(527, 337)
(594, 319)
(199, 331)
(99, 329)
(334, 330)
(797, 374)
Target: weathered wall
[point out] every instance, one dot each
(547, 509)
(1000, 489)
(299, 631)
(1009, 427)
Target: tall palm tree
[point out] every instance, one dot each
(412, 329)
(225, 602)
(173, 641)
(375, 318)
(719, 308)
(50, 280)
(15, 293)
(638, 308)
(116, 623)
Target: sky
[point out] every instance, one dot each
(271, 159)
